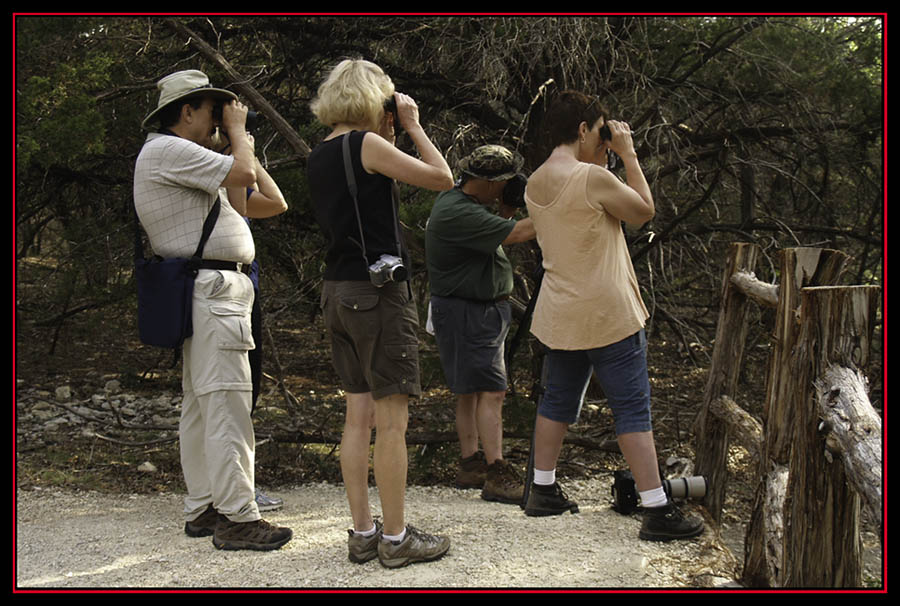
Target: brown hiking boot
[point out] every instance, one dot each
(503, 483)
(258, 535)
(204, 525)
(471, 472)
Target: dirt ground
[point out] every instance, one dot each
(87, 516)
(69, 540)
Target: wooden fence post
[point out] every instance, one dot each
(822, 546)
(763, 546)
(724, 371)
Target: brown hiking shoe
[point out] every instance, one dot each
(362, 549)
(258, 535)
(503, 483)
(416, 546)
(472, 471)
(204, 525)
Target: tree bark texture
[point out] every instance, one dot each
(852, 431)
(724, 371)
(768, 519)
(745, 430)
(800, 267)
(822, 546)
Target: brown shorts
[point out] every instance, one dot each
(374, 343)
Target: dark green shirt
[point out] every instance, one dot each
(462, 249)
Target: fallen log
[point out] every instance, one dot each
(742, 427)
(852, 431)
(751, 286)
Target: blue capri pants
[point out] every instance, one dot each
(621, 370)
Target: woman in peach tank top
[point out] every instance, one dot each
(589, 312)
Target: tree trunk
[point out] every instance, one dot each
(768, 521)
(800, 267)
(822, 546)
(725, 366)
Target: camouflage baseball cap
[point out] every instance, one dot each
(492, 163)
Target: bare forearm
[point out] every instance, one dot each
(634, 177)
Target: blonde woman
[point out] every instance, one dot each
(372, 327)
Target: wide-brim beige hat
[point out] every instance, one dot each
(182, 84)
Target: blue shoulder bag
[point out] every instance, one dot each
(166, 289)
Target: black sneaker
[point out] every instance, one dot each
(204, 525)
(667, 523)
(548, 501)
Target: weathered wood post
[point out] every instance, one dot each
(763, 546)
(822, 545)
(724, 371)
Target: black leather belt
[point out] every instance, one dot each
(482, 301)
(244, 268)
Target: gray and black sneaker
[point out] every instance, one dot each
(258, 535)
(416, 546)
(362, 549)
(548, 501)
(667, 523)
(266, 503)
(204, 525)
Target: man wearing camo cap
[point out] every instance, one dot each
(471, 279)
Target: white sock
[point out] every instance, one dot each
(394, 538)
(653, 498)
(544, 478)
(366, 533)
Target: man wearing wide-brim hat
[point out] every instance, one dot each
(177, 180)
(471, 279)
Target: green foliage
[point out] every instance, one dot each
(760, 128)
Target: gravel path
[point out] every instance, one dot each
(91, 540)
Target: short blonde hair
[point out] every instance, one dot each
(353, 93)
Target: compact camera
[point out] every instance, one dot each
(625, 497)
(387, 268)
(514, 192)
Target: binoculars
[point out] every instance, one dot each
(253, 118)
(625, 497)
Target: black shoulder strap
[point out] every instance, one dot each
(351, 184)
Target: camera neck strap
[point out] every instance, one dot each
(351, 184)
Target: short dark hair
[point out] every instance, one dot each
(171, 113)
(566, 113)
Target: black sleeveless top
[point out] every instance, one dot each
(333, 208)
